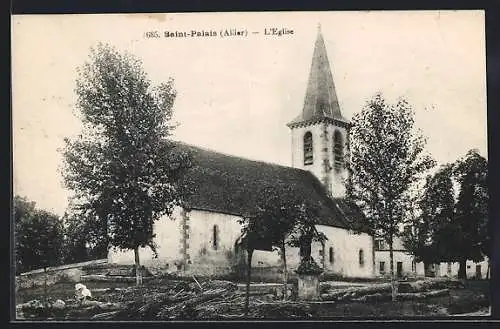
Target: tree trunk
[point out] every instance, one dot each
(285, 271)
(45, 299)
(489, 269)
(249, 273)
(374, 266)
(393, 279)
(138, 272)
(462, 272)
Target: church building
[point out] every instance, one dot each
(202, 240)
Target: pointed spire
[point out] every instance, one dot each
(321, 97)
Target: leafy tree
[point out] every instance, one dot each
(38, 236)
(254, 236)
(280, 219)
(85, 238)
(23, 211)
(471, 237)
(290, 222)
(386, 160)
(274, 216)
(437, 207)
(305, 233)
(449, 230)
(122, 168)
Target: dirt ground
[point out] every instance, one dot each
(474, 297)
(164, 299)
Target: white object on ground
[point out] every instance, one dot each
(82, 292)
(79, 286)
(86, 293)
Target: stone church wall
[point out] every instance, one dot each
(168, 238)
(189, 240)
(211, 254)
(346, 247)
(186, 244)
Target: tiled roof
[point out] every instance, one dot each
(230, 184)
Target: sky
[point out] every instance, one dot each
(236, 94)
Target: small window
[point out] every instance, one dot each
(308, 148)
(380, 245)
(382, 267)
(361, 258)
(331, 255)
(478, 272)
(338, 151)
(215, 238)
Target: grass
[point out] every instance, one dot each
(63, 290)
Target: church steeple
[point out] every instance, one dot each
(320, 133)
(321, 97)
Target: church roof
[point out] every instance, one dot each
(321, 97)
(230, 184)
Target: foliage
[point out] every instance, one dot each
(279, 219)
(469, 235)
(309, 267)
(270, 222)
(38, 236)
(122, 168)
(472, 207)
(304, 234)
(84, 239)
(386, 160)
(436, 206)
(449, 229)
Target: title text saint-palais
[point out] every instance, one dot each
(230, 32)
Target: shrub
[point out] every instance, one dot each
(309, 267)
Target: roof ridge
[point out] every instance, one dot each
(207, 149)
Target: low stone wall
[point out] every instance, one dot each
(52, 275)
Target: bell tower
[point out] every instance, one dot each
(320, 138)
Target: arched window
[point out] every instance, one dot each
(361, 258)
(215, 237)
(330, 255)
(308, 148)
(338, 150)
